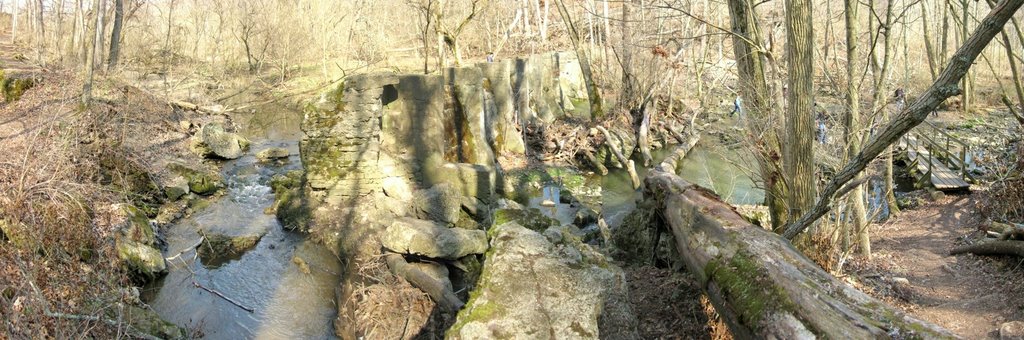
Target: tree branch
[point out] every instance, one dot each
(944, 87)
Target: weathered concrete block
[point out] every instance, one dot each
(505, 136)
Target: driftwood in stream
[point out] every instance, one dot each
(617, 151)
(760, 284)
(441, 293)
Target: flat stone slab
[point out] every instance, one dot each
(431, 239)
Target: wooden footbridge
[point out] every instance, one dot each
(937, 158)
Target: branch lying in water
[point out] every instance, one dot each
(222, 296)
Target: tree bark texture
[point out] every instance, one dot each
(798, 151)
(115, 34)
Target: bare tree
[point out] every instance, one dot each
(90, 63)
(944, 87)
(450, 35)
(853, 125)
(115, 34)
(14, 22)
(593, 94)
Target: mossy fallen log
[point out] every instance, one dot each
(760, 284)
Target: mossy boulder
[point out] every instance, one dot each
(141, 259)
(137, 227)
(200, 182)
(531, 286)
(218, 243)
(531, 218)
(135, 243)
(18, 234)
(13, 88)
(213, 141)
(292, 206)
(149, 322)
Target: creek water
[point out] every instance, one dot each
(712, 166)
(287, 301)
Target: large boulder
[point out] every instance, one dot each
(431, 239)
(532, 288)
(136, 242)
(439, 203)
(199, 182)
(140, 258)
(213, 141)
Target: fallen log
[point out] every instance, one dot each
(999, 247)
(626, 162)
(760, 284)
(438, 291)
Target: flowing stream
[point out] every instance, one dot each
(288, 301)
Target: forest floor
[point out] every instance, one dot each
(12, 58)
(911, 269)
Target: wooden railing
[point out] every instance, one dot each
(939, 144)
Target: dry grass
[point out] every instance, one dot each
(1005, 201)
(64, 172)
(388, 307)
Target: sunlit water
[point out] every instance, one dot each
(714, 167)
(287, 301)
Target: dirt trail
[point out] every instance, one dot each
(969, 295)
(12, 57)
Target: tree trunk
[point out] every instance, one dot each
(81, 44)
(115, 34)
(627, 99)
(1012, 59)
(852, 124)
(14, 22)
(929, 49)
(882, 72)
(798, 151)
(59, 32)
(762, 287)
(914, 114)
(90, 62)
(966, 83)
(97, 50)
(750, 65)
(40, 31)
(944, 51)
(593, 94)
